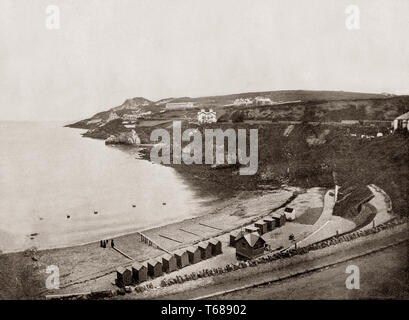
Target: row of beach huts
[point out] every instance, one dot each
(249, 242)
(261, 226)
(139, 272)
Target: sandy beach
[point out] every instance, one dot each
(90, 266)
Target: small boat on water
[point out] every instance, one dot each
(163, 203)
(134, 205)
(95, 212)
(68, 216)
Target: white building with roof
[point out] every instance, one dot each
(401, 122)
(242, 102)
(179, 105)
(262, 101)
(204, 116)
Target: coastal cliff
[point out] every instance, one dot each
(128, 138)
(300, 143)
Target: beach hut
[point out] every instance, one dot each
(234, 236)
(205, 250)
(139, 272)
(169, 263)
(251, 229)
(194, 254)
(123, 276)
(216, 246)
(155, 268)
(279, 219)
(182, 258)
(289, 214)
(270, 223)
(250, 246)
(262, 226)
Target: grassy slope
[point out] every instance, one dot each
(309, 98)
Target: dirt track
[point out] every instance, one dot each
(389, 279)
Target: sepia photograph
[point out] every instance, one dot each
(204, 150)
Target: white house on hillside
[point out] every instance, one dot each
(242, 102)
(179, 105)
(401, 122)
(206, 117)
(261, 101)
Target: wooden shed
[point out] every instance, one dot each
(139, 272)
(250, 246)
(251, 229)
(234, 236)
(194, 254)
(270, 223)
(182, 258)
(155, 268)
(169, 263)
(262, 226)
(279, 219)
(216, 246)
(205, 250)
(123, 276)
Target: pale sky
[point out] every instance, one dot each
(109, 50)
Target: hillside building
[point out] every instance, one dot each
(261, 101)
(112, 116)
(242, 102)
(401, 123)
(204, 116)
(179, 105)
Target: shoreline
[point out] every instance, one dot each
(92, 266)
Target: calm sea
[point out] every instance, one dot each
(48, 172)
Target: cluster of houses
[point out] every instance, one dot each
(136, 116)
(249, 243)
(204, 116)
(243, 102)
(140, 272)
(258, 101)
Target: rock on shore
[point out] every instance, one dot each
(129, 138)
